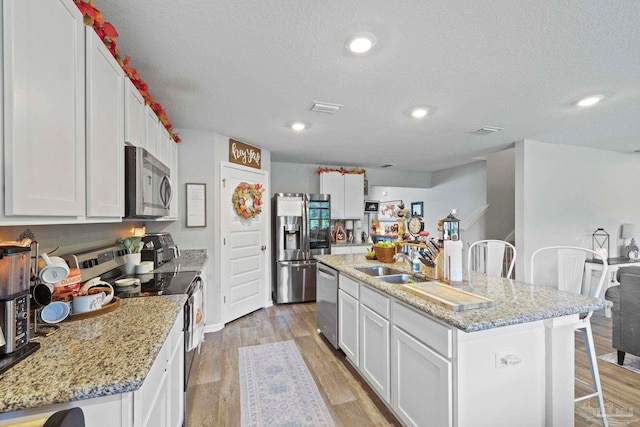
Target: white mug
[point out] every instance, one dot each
(82, 304)
(55, 269)
(97, 282)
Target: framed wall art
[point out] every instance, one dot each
(389, 210)
(196, 205)
(417, 208)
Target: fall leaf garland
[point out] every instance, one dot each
(108, 34)
(247, 199)
(343, 171)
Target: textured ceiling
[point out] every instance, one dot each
(247, 69)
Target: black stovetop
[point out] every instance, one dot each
(153, 284)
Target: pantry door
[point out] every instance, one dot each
(244, 262)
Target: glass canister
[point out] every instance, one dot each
(15, 271)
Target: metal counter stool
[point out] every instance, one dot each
(488, 256)
(570, 261)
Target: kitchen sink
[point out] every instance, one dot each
(399, 279)
(379, 271)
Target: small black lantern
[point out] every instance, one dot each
(600, 242)
(450, 227)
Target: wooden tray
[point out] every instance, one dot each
(447, 296)
(114, 304)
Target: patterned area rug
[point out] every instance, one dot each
(631, 362)
(277, 389)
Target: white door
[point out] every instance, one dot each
(244, 263)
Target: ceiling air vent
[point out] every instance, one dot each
(326, 107)
(487, 130)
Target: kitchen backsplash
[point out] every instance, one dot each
(72, 237)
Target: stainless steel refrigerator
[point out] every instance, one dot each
(301, 230)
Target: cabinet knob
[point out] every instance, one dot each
(263, 247)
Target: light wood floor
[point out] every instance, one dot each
(213, 394)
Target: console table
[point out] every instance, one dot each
(614, 264)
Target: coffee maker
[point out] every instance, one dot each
(15, 276)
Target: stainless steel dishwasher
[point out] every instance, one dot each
(327, 303)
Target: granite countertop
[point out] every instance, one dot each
(107, 354)
(189, 260)
(516, 302)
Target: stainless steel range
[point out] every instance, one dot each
(108, 264)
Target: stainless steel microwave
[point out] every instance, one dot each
(147, 185)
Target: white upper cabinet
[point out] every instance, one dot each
(134, 115)
(44, 108)
(353, 195)
(152, 131)
(105, 133)
(333, 183)
(347, 194)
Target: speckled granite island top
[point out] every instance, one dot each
(516, 302)
(189, 260)
(102, 355)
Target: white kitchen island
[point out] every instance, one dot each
(510, 364)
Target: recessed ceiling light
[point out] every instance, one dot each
(418, 113)
(361, 43)
(589, 101)
(298, 126)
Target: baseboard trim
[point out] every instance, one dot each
(213, 328)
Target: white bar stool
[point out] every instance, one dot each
(570, 262)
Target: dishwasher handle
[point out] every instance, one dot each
(327, 273)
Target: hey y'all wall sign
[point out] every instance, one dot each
(244, 154)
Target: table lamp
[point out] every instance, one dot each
(630, 231)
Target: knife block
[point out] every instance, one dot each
(436, 272)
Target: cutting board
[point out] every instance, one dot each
(447, 296)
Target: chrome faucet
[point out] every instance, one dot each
(401, 255)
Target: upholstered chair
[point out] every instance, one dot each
(626, 312)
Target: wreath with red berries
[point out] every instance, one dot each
(247, 200)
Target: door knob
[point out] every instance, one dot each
(263, 247)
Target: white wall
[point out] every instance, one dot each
(303, 178)
(501, 193)
(196, 160)
(564, 193)
(200, 155)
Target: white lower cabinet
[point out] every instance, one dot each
(374, 347)
(175, 386)
(154, 402)
(421, 382)
(432, 374)
(348, 325)
(159, 402)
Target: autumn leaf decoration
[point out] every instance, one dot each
(247, 200)
(109, 35)
(343, 171)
